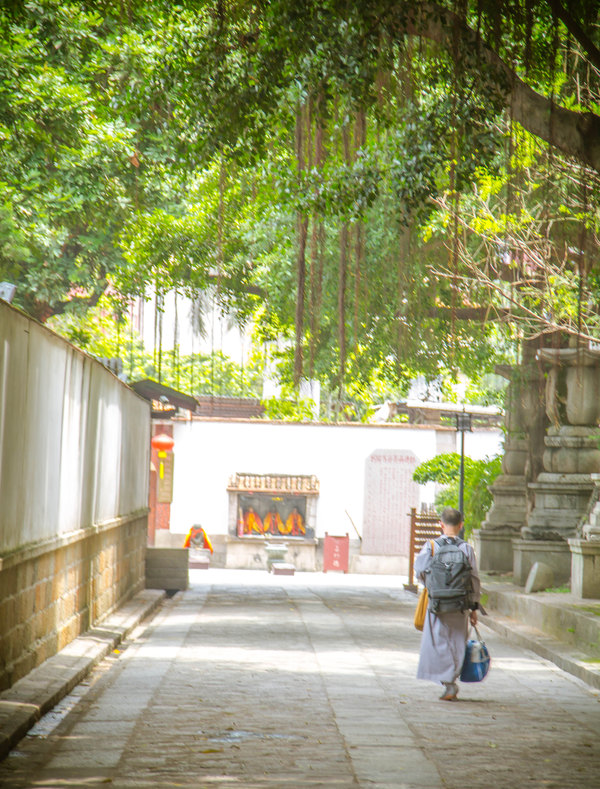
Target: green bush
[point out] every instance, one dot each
(479, 475)
(293, 410)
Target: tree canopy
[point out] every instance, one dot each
(386, 189)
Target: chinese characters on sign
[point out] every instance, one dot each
(165, 483)
(335, 560)
(335, 553)
(390, 492)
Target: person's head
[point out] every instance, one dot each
(451, 520)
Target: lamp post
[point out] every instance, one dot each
(463, 423)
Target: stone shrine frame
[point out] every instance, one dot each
(273, 506)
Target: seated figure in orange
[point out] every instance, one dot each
(294, 524)
(198, 538)
(272, 523)
(252, 522)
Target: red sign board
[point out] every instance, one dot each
(335, 553)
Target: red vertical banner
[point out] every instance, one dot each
(160, 493)
(335, 553)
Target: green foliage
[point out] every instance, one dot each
(289, 410)
(212, 374)
(478, 476)
(487, 389)
(157, 146)
(103, 335)
(443, 469)
(77, 156)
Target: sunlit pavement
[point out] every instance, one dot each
(254, 680)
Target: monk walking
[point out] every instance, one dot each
(445, 632)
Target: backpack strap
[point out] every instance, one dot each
(432, 544)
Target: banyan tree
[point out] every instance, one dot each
(383, 189)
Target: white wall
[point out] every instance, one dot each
(74, 440)
(482, 443)
(208, 452)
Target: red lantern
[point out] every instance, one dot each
(163, 444)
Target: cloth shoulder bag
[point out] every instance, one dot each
(422, 603)
(477, 660)
(421, 609)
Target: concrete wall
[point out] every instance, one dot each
(74, 461)
(207, 452)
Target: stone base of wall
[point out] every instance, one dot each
(249, 553)
(164, 538)
(52, 592)
(494, 549)
(375, 564)
(555, 553)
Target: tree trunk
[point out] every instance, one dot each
(302, 118)
(575, 134)
(300, 290)
(342, 305)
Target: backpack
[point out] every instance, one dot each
(448, 577)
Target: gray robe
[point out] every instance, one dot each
(444, 635)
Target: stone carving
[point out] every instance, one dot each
(572, 444)
(509, 491)
(521, 460)
(274, 483)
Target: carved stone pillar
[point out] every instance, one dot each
(525, 423)
(572, 454)
(507, 514)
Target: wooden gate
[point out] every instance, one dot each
(423, 527)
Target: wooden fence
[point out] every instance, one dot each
(423, 527)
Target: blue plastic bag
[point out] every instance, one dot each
(477, 660)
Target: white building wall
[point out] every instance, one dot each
(479, 443)
(220, 334)
(208, 452)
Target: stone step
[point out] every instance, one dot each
(555, 625)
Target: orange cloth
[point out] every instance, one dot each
(194, 535)
(295, 524)
(252, 522)
(273, 523)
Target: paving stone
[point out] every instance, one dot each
(308, 682)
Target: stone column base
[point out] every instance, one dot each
(585, 568)
(376, 564)
(249, 553)
(494, 549)
(555, 553)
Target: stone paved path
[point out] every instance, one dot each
(251, 681)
